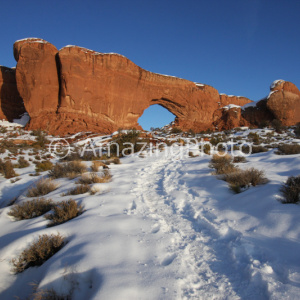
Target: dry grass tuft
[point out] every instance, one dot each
(31, 209)
(37, 253)
(68, 169)
(42, 187)
(63, 212)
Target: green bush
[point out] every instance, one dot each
(63, 212)
(31, 209)
(291, 190)
(37, 253)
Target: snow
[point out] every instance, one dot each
(251, 104)
(23, 120)
(199, 84)
(85, 50)
(275, 82)
(33, 40)
(230, 106)
(164, 228)
(272, 92)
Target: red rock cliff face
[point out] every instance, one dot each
(76, 89)
(284, 102)
(110, 91)
(37, 79)
(11, 104)
(102, 92)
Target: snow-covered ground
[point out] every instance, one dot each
(163, 228)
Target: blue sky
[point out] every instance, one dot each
(237, 46)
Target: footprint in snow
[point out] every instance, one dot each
(155, 228)
(168, 259)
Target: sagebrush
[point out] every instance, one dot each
(31, 209)
(38, 252)
(63, 212)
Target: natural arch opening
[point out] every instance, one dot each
(155, 116)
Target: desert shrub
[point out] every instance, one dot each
(242, 179)
(22, 163)
(259, 149)
(254, 137)
(37, 253)
(48, 294)
(96, 165)
(288, 149)
(41, 188)
(63, 212)
(94, 178)
(43, 166)
(126, 143)
(73, 168)
(31, 209)
(215, 140)
(116, 160)
(79, 189)
(239, 159)
(291, 190)
(277, 125)
(7, 169)
(37, 157)
(41, 139)
(191, 154)
(206, 148)
(175, 130)
(222, 164)
(3, 129)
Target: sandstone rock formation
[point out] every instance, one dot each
(37, 79)
(76, 89)
(284, 102)
(12, 106)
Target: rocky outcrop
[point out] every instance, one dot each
(11, 104)
(76, 89)
(37, 78)
(284, 102)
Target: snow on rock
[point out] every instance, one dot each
(276, 82)
(272, 92)
(23, 120)
(251, 104)
(230, 106)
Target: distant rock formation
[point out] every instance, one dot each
(76, 89)
(11, 104)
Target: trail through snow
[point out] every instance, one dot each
(208, 256)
